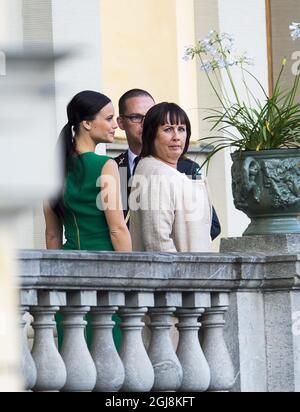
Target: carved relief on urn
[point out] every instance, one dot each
(266, 186)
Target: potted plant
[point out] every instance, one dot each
(265, 133)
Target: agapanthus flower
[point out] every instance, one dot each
(295, 30)
(222, 63)
(189, 53)
(226, 36)
(239, 107)
(244, 59)
(207, 66)
(212, 50)
(227, 42)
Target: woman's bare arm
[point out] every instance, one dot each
(112, 206)
(54, 229)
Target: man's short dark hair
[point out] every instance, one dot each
(129, 95)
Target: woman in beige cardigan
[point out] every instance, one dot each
(168, 211)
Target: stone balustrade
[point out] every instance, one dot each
(209, 317)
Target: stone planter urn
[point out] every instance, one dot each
(266, 186)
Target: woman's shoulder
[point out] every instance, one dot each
(151, 162)
(156, 166)
(95, 158)
(92, 163)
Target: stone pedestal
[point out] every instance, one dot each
(261, 325)
(287, 243)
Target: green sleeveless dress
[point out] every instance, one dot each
(84, 222)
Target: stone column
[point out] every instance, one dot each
(56, 23)
(110, 369)
(167, 368)
(196, 373)
(51, 371)
(28, 365)
(214, 346)
(139, 374)
(236, 18)
(81, 370)
(282, 334)
(27, 297)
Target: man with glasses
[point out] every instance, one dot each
(133, 106)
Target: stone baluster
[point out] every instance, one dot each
(81, 370)
(51, 371)
(27, 297)
(167, 368)
(196, 373)
(214, 346)
(110, 369)
(139, 374)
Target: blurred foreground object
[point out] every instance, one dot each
(29, 172)
(28, 165)
(10, 357)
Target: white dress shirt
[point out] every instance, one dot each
(131, 157)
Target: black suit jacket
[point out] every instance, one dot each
(185, 165)
(192, 169)
(123, 164)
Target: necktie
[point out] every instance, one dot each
(135, 163)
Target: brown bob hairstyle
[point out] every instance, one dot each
(159, 115)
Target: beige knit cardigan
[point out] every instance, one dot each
(168, 211)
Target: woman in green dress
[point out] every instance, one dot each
(92, 219)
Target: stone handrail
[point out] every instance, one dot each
(188, 286)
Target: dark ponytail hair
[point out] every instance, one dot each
(84, 106)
